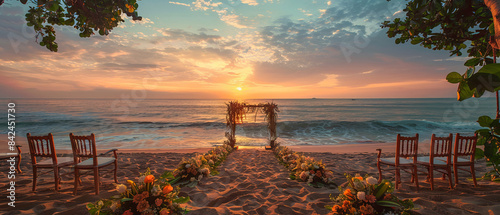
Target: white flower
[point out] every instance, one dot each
(390, 213)
(156, 190)
(205, 171)
(115, 205)
(187, 166)
(304, 166)
(141, 179)
(192, 179)
(121, 188)
(211, 162)
(371, 180)
(200, 177)
(358, 185)
(100, 203)
(310, 180)
(361, 195)
(316, 166)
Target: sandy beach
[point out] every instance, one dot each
(251, 181)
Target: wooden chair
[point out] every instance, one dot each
(85, 147)
(43, 146)
(406, 147)
(17, 155)
(439, 158)
(465, 146)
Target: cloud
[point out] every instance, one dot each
(179, 3)
(250, 2)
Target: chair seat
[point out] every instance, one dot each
(437, 161)
(392, 161)
(459, 159)
(61, 161)
(102, 161)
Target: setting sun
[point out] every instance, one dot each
(238, 88)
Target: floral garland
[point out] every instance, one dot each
(148, 196)
(160, 196)
(304, 168)
(191, 171)
(366, 196)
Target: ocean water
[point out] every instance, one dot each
(169, 124)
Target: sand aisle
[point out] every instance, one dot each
(251, 181)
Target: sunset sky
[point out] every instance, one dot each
(227, 49)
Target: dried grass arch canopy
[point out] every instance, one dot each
(236, 112)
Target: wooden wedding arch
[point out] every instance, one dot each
(236, 112)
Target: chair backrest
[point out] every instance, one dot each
(83, 146)
(407, 147)
(42, 146)
(441, 147)
(465, 146)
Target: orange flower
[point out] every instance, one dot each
(128, 212)
(318, 173)
(346, 205)
(138, 198)
(336, 209)
(348, 194)
(167, 189)
(149, 179)
(388, 196)
(158, 202)
(366, 209)
(359, 178)
(142, 206)
(164, 211)
(371, 198)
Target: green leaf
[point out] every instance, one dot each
(402, 28)
(454, 77)
(464, 91)
(485, 121)
(181, 200)
(472, 61)
(167, 175)
(479, 153)
(388, 204)
(492, 28)
(126, 199)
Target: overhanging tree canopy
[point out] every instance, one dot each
(236, 112)
(87, 16)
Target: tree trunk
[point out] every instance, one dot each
(494, 6)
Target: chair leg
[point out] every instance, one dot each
(96, 180)
(455, 171)
(449, 176)
(56, 177)
(379, 172)
(18, 164)
(398, 178)
(116, 169)
(77, 180)
(35, 176)
(473, 172)
(416, 176)
(431, 176)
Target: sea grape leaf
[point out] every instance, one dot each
(472, 61)
(454, 77)
(485, 121)
(464, 91)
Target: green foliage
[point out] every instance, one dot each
(445, 25)
(490, 139)
(87, 16)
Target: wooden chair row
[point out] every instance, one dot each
(441, 158)
(84, 157)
